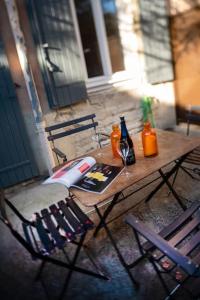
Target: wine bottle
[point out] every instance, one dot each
(125, 136)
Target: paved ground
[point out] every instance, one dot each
(17, 269)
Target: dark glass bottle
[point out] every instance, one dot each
(125, 136)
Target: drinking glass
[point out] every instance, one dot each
(123, 150)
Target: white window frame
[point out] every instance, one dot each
(108, 77)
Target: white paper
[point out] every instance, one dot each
(71, 172)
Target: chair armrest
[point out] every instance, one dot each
(104, 134)
(60, 153)
(102, 137)
(183, 261)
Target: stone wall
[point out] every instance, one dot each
(108, 105)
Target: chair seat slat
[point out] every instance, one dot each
(27, 234)
(192, 161)
(73, 221)
(184, 232)
(191, 244)
(87, 223)
(193, 156)
(196, 150)
(61, 222)
(181, 235)
(43, 235)
(170, 229)
(161, 244)
(52, 228)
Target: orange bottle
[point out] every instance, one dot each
(149, 140)
(115, 138)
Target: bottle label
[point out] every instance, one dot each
(131, 157)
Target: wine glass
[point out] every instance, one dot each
(123, 150)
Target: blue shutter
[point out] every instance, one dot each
(154, 23)
(58, 51)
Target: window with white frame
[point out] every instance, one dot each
(98, 36)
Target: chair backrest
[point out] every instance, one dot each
(78, 126)
(64, 129)
(193, 116)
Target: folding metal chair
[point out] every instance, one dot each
(193, 116)
(174, 250)
(191, 164)
(50, 230)
(71, 127)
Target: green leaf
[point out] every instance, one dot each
(146, 106)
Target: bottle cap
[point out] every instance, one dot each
(122, 118)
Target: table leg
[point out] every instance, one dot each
(172, 190)
(106, 213)
(165, 180)
(125, 265)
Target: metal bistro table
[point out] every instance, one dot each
(173, 147)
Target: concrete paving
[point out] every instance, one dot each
(17, 269)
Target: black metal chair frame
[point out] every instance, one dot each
(174, 250)
(42, 236)
(79, 125)
(194, 157)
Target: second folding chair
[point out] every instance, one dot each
(174, 251)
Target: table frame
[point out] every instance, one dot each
(165, 176)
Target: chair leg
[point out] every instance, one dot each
(188, 127)
(73, 262)
(90, 257)
(102, 220)
(173, 181)
(174, 193)
(38, 275)
(188, 173)
(169, 296)
(106, 213)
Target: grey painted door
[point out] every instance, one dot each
(16, 161)
(58, 51)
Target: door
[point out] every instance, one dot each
(16, 160)
(58, 51)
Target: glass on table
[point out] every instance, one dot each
(123, 150)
